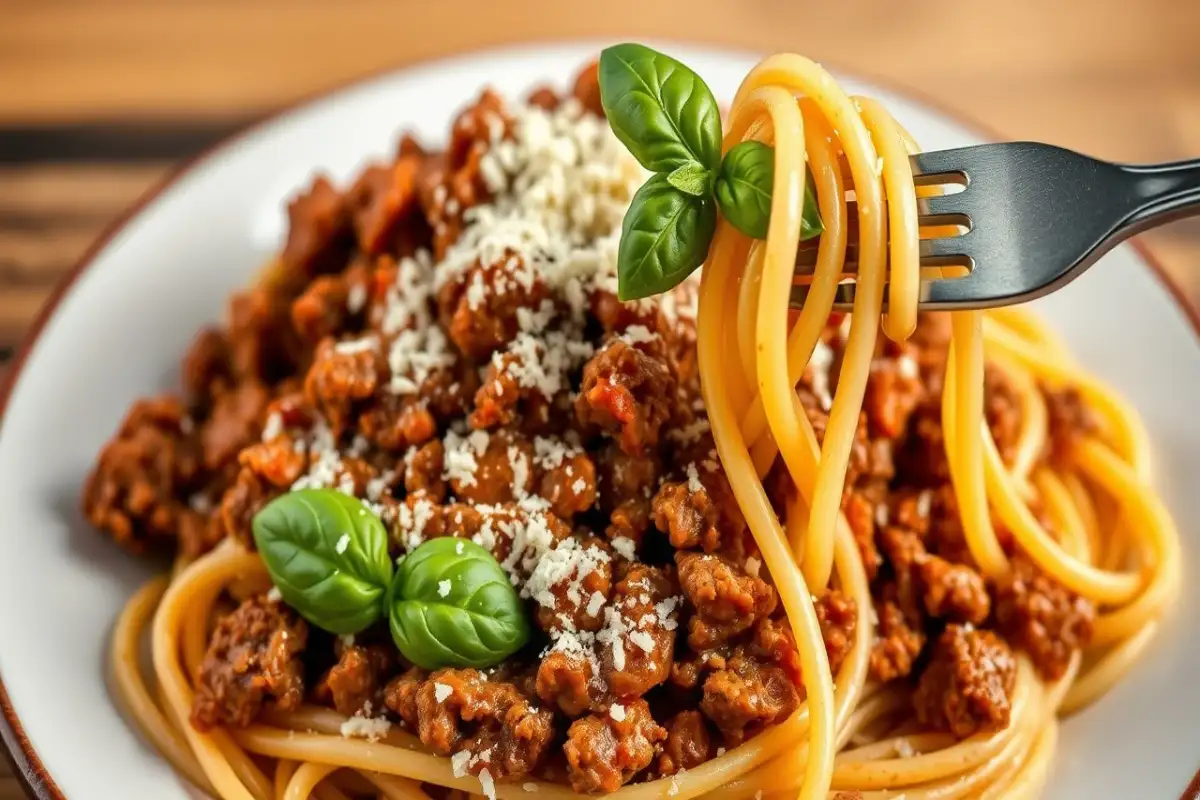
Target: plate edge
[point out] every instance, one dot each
(32, 775)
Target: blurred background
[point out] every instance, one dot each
(100, 99)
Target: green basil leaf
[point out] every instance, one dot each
(327, 554)
(693, 178)
(451, 605)
(659, 108)
(743, 191)
(664, 237)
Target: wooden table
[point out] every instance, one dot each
(98, 100)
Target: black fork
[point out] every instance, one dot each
(1035, 218)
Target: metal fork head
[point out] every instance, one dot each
(1035, 217)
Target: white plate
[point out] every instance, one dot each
(119, 330)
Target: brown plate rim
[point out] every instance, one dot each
(28, 768)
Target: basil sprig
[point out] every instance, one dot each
(448, 604)
(327, 554)
(669, 120)
(452, 605)
(664, 236)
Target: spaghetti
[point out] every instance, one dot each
(1087, 520)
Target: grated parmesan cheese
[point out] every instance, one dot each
(489, 786)
(441, 692)
(343, 542)
(924, 503)
(638, 334)
(273, 427)
(444, 588)
(617, 712)
(625, 548)
(365, 344)
(458, 763)
(369, 728)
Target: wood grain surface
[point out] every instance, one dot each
(99, 99)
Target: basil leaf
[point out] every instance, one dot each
(693, 178)
(451, 605)
(664, 237)
(743, 191)
(327, 554)
(659, 108)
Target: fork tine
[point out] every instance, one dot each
(946, 165)
(843, 297)
(940, 204)
(948, 250)
(940, 252)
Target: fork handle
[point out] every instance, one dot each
(1162, 193)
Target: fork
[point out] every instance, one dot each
(1036, 217)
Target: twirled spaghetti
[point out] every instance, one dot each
(1115, 462)
(1088, 520)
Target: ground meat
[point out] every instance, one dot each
(543, 97)
(277, 462)
(626, 483)
(356, 682)
(688, 517)
(318, 231)
(339, 377)
(860, 516)
(1040, 616)
(894, 390)
(205, 367)
(235, 422)
(905, 551)
(504, 397)
(967, 686)
(324, 307)
(133, 491)
(639, 635)
(587, 89)
(688, 744)
(954, 592)
(497, 528)
(380, 200)
(460, 710)
(248, 494)
(396, 422)
(773, 642)
(570, 486)
(252, 657)
(626, 391)
(322, 310)
(480, 308)
(898, 643)
(728, 600)
(1002, 409)
(566, 682)
(605, 751)
(1070, 420)
(746, 697)
(476, 127)
(574, 601)
(836, 613)
(423, 471)
(400, 695)
(495, 477)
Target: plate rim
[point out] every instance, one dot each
(31, 774)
